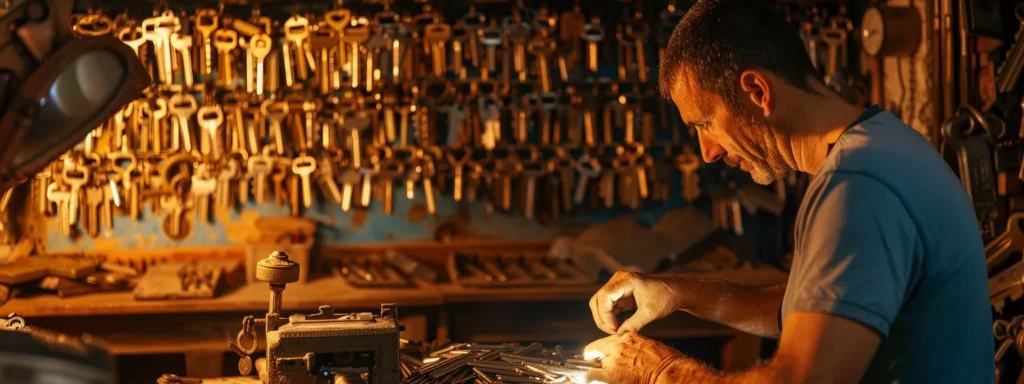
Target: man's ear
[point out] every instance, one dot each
(755, 85)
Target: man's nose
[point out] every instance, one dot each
(710, 149)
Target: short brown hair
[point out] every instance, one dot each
(719, 39)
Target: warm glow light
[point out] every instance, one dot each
(430, 360)
(592, 355)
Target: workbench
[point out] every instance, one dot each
(200, 329)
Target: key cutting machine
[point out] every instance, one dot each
(359, 347)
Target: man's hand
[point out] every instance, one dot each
(629, 358)
(652, 296)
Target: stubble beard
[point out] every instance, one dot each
(771, 166)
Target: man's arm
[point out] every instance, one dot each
(753, 310)
(750, 309)
(815, 348)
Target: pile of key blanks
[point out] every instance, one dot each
(492, 363)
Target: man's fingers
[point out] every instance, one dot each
(596, 376)
(606, 310)
(596, 313)
(603, 303)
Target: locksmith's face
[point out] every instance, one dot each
(738, 136)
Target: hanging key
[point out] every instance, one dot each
(203, 186)
(62, 198)
(593, 34)
(225, 175)
(226, 40)
(276, 111)
(303, 166)
(259, 47)
(210, 118)
(183, 106)
(588, 168)
(76, 177)
(158, 111)
(207, 21)
(532, 170)
(93, 200)
(436, 35)
(323, 42)
(639, 32)
(542, 46)
(354, 36)
(491, 37)
(183, 45)
(296, 30)
(688, 163)
(387, 174)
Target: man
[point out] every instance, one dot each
(888, 282)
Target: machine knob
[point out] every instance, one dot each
(277, 269)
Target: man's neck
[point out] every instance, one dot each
(818, 124)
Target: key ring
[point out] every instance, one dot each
(247, 330)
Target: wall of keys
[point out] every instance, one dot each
(382, 120)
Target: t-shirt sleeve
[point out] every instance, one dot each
(855, 249)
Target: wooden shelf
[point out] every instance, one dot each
(308, 296)
(250, 298)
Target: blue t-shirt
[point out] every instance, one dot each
(887, 236)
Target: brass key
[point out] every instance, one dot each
(388, 173)
(156, 31)
(436, 35)
(303, 166)
(183, 45)
(75, 176)
(491, 37)
(459, 159)
(593, 34)
(259, 48)
(207, 21)
(639, 31)
(158, 111)
(588, 168)
(132, 37)
(276, 112)
(354, 36)
(688, 163)
(321, 42)
(210, 118)
(532, 170)
(330, 185)
(226, 40)
(93, 200)
(260, 168)
(61, 197)
(350, 178)
(542, 46)
(296, 30)
(203, 186)
(226, 174)
(182, 106)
